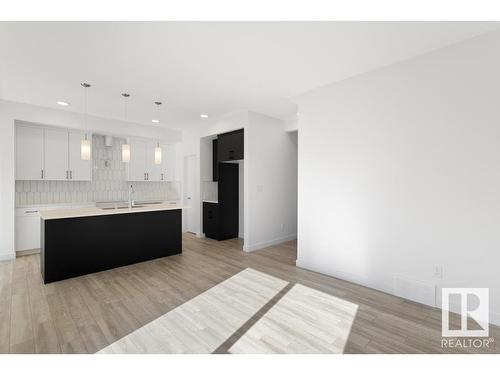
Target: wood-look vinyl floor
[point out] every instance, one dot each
(203, 288)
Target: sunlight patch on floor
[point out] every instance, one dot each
(247, 314)
(303, 321)
(205, 322)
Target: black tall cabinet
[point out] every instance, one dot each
(228, 195)
(221, 219)
(215, 162)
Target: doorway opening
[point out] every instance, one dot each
(189, 191)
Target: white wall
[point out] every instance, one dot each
(399, 172)
(10, 111)
(271, 191)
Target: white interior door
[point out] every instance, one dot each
(189, 191)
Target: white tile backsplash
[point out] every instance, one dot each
(108, 182)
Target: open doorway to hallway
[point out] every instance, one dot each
(190, 216)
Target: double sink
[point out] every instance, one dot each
(124, 205)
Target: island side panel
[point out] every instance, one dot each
(42, 247)
(82, 245)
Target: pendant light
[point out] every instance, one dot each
(158, 148)
(126, 145)
(85, 149)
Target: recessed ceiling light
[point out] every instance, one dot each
(204, 116)
(64, 104)
(155, 121)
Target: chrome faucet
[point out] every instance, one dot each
(130, 196)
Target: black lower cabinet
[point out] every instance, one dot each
(81, 245)
(221, 220)
(211, 220)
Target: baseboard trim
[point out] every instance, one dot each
(27, 252)
(352, 278)
(495, 319)
(370, 284)
(7, 256)
(276, 241)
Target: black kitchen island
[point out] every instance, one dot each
(82, 241)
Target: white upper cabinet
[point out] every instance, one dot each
(29, 153)
(137, 164)
(153, 169)
(44, 153)
(168, 162)
(56, 154)
(142, 166)
(79, 170)
(49, 153)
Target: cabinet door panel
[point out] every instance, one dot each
(215, 163)
(230, 146)
(80, 170)
(228, 198)
(29, 153)
(137, 164)
(168, 162)
(27, 232)
(56, 154)
(153, 169)
(211, 220)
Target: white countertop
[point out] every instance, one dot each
(96, 211)
(41, 206)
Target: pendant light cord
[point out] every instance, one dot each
(85, 115)
(85, 91)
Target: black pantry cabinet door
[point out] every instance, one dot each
(215, 164)
(211, 220)
(230, 146)
(228, 193)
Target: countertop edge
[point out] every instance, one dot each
(95, 211)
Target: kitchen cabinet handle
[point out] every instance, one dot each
(70, 175)
(144, 176)
(31, 212)
(67, 173)
(162, 176)
(42, 174)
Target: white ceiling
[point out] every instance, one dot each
(202, 67)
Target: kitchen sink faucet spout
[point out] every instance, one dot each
(130, 196)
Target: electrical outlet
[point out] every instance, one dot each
(438, 272)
